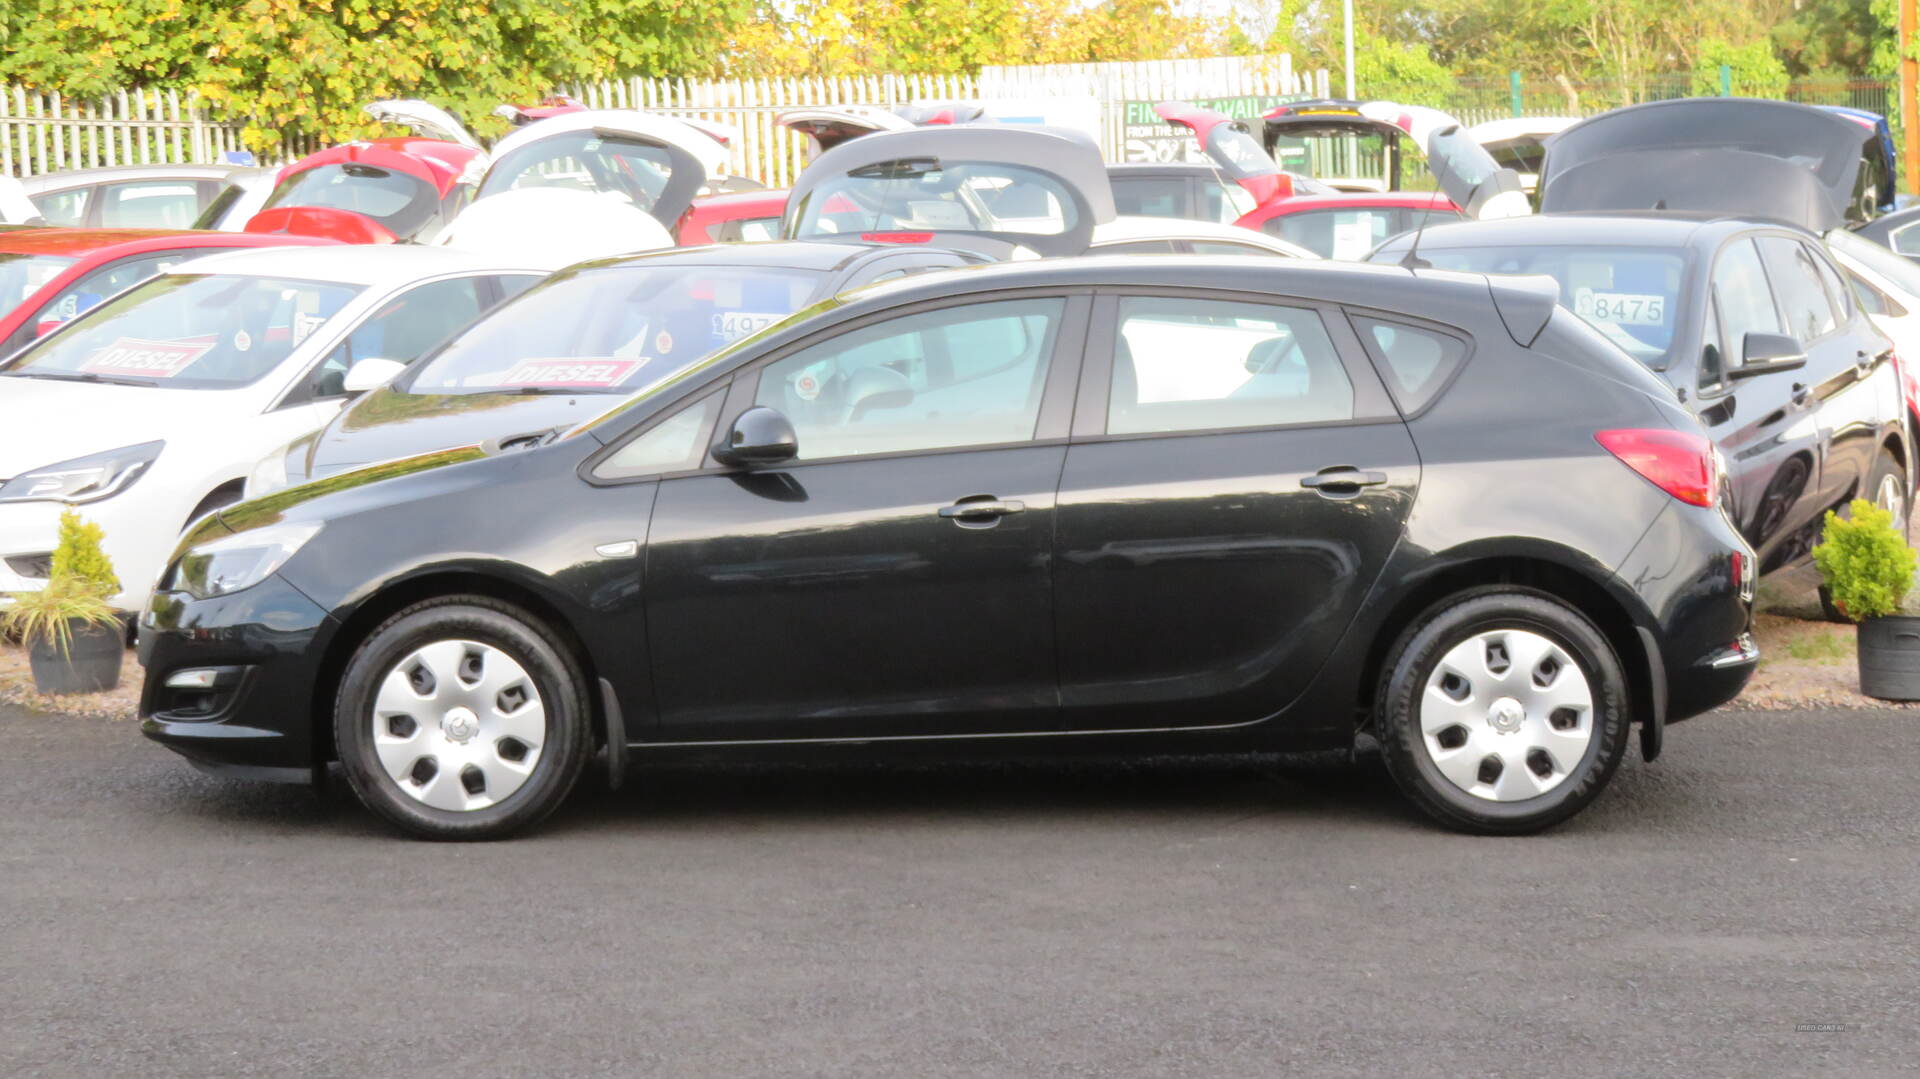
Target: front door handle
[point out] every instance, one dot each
(986, 509)
(1332, 480)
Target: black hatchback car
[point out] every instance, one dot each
(1754, 328)
(1125, 502)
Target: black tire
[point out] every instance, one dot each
(1883, 466)
(548, 663)
(1420, 649)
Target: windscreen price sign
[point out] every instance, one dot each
(1146, 137)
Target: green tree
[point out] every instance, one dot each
(1754, 69)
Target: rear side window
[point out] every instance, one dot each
(1150, 197)
(1804, 305)
(1417, 361)
(64, 209)
(1199, 365)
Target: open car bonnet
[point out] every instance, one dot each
(1232, 148)
(654, 163)
(431, 121)
(1026, 186)
(1769, 159)
(1465, 171)
(827, 126)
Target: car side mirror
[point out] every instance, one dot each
(876, 387)
(371, 374)
(758, 436)
(1767, 353)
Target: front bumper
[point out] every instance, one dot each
(266, 644)
(137, 534)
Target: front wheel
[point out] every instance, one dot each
(462, 718)
(1502, 711)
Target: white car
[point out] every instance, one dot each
(149, 410)
(1169, 235)
(587, 184)
(164, 196)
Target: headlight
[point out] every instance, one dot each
(83, 479)
(226, 565)
(268, 476)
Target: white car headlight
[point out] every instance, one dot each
(268, 476)
(83, 479)
(226, 565)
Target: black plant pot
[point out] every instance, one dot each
(91, 665)
(1890, 658)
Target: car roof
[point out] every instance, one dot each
(1437, 294)
(56, 181)
(1130, 227)
(823, 256)
(1623, 229)
(81, 242)
(1161, 168)
(359, 264)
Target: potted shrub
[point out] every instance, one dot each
(1868, 568)
(74, 638)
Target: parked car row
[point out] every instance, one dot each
(947, 457)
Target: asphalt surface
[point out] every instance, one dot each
(1173, 918)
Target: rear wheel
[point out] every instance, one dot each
(1502, 711)
(462, 718)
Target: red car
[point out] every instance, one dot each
(1345, 225)
(747, 215)
(375, 191)
(48, 276)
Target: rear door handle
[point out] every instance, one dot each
(1342, 479)
(1801, 393)
(983, 510)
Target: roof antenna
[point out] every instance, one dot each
(1412, 260)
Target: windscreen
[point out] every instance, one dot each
(929, 195)
(614, 329)
(187, 331)
(1630, 294)
(401, 203)
(633, 169)
(23, 275)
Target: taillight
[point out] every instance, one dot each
(1681, 463)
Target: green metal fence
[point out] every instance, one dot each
(1476, 100)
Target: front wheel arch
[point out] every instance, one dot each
(382, 605)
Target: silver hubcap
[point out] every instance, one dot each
(458, 725)
(1891, 498)
(1506, 715)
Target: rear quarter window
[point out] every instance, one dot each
(1417, 361)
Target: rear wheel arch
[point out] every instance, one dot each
(1607, 611)
(382, 605)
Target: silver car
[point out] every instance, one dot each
(136, 196)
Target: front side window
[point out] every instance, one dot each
(614, 329)
(400, 202)
(1197, 365)
(964, 376)
(64, 209)
(170, 204)
(675, 444)
(404, 329)
(1804, 307)
(1713, 352)
(1744, 297)
(190, 331)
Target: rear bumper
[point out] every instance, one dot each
(1703, 617)
(263, 646)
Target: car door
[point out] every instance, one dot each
(895, 578)
(65, 208)
(150, 204)
(1842, 358)
(1766, 425)
(1232, 490)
